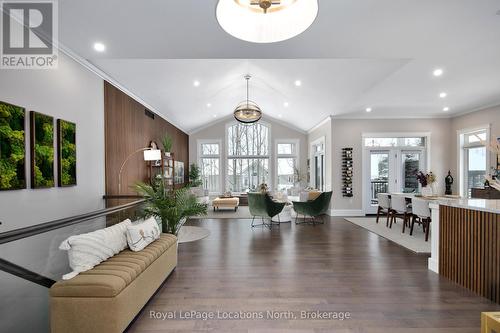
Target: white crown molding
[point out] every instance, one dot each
(105, 76)
(482, 108)
(324, 121)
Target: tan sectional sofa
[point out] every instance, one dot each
(108, 297)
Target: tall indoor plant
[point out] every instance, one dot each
(167, 142)
(170, 207)
(195, 175)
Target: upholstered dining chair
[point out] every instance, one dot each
(261, 205)
(384, 206)
(421, 212)
(399, 209)
(313, 208)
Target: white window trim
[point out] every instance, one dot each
(199, 154)
(461, 153)
(295, 154)
(227, 156)
(312, 176)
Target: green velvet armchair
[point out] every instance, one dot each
(313, 208)
(261, 205)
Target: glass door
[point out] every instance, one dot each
(379, 174)
(410, 165)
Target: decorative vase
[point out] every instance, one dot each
(427, 191)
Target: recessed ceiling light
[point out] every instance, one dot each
(99, 47)
(196, 83)
(443, 95)
(368, 109)
(438, 72)
(209, 105)
(445, 109)
(298, 83)
(286, 104)
(215, 116)
(280, 115)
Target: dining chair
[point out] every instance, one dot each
(384, 206)
(399, 209)
(421, 212)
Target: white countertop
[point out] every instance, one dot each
(490, 206)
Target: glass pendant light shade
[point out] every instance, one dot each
(247, 112)
(265, 21)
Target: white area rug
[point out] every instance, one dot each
(242, 213)
(191, 234)
(415, 243)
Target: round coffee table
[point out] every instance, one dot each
(285, 215)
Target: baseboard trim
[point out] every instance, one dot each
(346, 212)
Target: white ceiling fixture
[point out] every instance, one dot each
(215, 116)
(438, 72)
(266, 21)
(446, 109)
(280, 115)
(209, 105)
(286, 104)
(99, 47)
(368, 110)
(298, 83)
(196, 83)
(443, 95)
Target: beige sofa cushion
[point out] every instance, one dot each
(110, 277)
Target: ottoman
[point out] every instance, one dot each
(228, 203)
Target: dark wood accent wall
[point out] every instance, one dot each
(128, 128)
(469, 249)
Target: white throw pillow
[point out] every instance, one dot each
(85, 251)
(140, 235)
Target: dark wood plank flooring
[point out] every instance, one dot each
(332, 267)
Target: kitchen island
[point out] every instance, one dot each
(466, 244)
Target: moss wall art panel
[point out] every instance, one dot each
(42, 150)
(12, 147)
(66, 153)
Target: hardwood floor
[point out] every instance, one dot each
(335, 267)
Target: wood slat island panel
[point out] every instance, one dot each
(469, 249)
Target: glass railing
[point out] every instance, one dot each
(30, 261)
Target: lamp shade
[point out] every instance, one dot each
(285, 19)
(152, 155)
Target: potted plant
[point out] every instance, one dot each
(194, 175)
(167, 144)
(171, 208)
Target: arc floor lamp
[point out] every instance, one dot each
(151, 153)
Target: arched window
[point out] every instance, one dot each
(247, 156)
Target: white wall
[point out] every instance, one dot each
(70, 93)
(74, 94)
(341, 133)
(217, 131)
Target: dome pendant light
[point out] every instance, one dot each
(266, 21)
(247, 112)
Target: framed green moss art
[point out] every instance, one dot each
(42, 150)
(12, 147)
(66, 153)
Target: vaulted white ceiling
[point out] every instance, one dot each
(358, 53)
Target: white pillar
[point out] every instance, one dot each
(433, 263)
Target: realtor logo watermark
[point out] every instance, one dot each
(29, 35)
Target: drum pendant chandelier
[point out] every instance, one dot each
(247, 112)
(266, 21)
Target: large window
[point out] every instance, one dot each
(318, 164)
(286, 164)
(247, 157)
(474, 157)
(210, 166)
